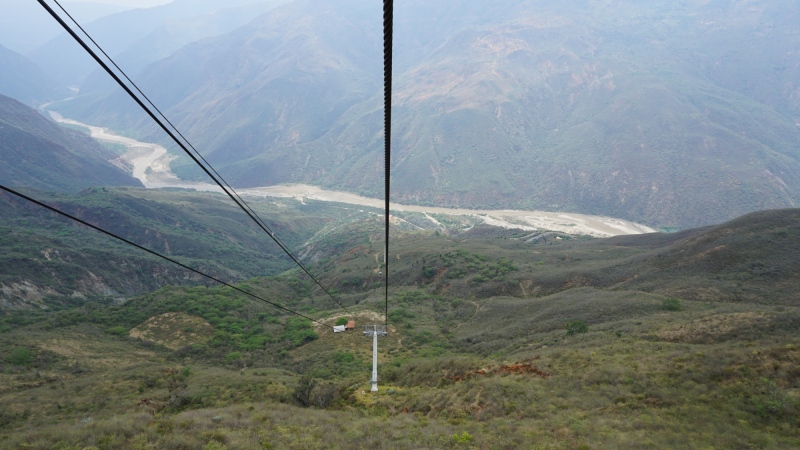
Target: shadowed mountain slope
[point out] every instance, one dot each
(39, 154)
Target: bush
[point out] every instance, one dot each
(768, 399)
(671, 304)
(117, 331)
(577, 326)
(20, 356)
(299, 331)
(233, 356)
(463, 438)
(341, 321)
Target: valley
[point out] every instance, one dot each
(151, 166)
(669, 114)
(593, 241)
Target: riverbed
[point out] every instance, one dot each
(150, 164)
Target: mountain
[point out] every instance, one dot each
(24, 81)
(39, 154)
(651, 112)
(140, 36)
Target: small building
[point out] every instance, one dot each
(338, 328)
(351, 325)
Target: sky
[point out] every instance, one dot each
(129, 3)
(24, 25)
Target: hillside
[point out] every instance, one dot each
(50, 261)
(37, 153)
(633, 112)
(750, 259)
(577, 367)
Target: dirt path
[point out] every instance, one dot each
(151, 166)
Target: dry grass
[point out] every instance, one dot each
(454, 372)
(618, 386)
(174, 330)
(714, 326)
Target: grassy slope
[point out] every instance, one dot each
(750, 259)
(722, 371)
(59, 259)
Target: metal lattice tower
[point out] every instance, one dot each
(374, 331)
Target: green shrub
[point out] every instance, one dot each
(423, 337)
(463, 438)
(117, 331)
(343, 357)
(577, 326)
(233, 356)
(768, 399)
(401, 316)
(299, 331)
(671, 304)
(341, 321)
(20, 356)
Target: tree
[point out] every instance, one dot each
(577, 326)
(302, 393)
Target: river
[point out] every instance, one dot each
(150, 164)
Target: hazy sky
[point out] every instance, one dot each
(131, 3)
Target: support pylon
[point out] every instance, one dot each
(374, 331)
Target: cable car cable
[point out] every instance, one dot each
(181, 145)
(108, 233)
(388, 13)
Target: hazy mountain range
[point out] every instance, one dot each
(25, 81)
(140, 36)
(670, 113)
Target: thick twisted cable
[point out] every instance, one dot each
(388, 13)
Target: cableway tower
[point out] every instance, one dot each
(374, 331)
